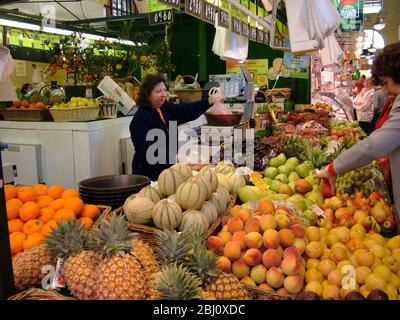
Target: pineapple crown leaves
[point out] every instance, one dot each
(112, 237)
(319, 157)
(171, 246)
(293, 146)
(203, 264)
(196, 236)
(178, 283)
(69, 238)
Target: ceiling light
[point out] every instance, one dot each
(379, 24)
(92, 36)
(62, 32)
(21, 25)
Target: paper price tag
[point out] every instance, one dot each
(318, 211)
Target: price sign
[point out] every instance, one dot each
(209, 12)
(194, 7)
(236, 26)
(260, 36)
(253, 34)
(245, 29)
(266, 38)
(223, 19)
(161, 17)
(172, 3)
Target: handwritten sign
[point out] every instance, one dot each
(172, 3)
(253, 33)
(223, 19)
(245, 29)
(161, 17)
(194, 7)
(260, 36)
(236, 26)
(209, 12)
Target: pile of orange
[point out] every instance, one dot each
(33, 212)
(24, 104)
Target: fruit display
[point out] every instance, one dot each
(342, 129)
(33, 212)
(25, 104)
(77, 102)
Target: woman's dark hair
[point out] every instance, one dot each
(387, 64)
(148, 84)
(24, 89)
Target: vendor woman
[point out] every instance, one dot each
(154, 112)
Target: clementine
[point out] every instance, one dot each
(90, 211)
(33, 226)
(16, 242)
(29, 211)
(46, 214)
(12, 207)
(55, 191)
(26, 194)
(75, 204)
(15, 225)
(32, 240)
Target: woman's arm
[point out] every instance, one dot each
(186, 112)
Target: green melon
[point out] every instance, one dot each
(225, 167)
(209, 210)
(219, 202)
(167, 214)
(224, 194)
(183, 169)
(193, 219)
(169, 181)
(223, 181)
(150, 193)
(204, 184)
(138, 210)
(190, 195)
(210, 175)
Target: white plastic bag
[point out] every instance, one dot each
(7, 91)
(217, 99)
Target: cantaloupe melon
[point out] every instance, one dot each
(236, 181)
(224, 194)
(183, 169)
(150, 193)
(138, 210)
(193, 219)
(209, 210)
(225, 167)
(167, 214)
(219, 202)
(169, 181)
(190, 195)
(204, 184)
(209, 174)
(223, 181)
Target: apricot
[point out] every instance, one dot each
(253, 240)
(313, 275)
(238, 237)
(314, 286)
(300, 244)
(225, 236)
(331, 291)
(232, 250)
(240, 268)
(314, 249)
(326, 266)
(275, 277)
(335, 277)
(355, 244)
(286, 237)
(291, 265)
(224, 264)
(235, 224)
(361, 274)
(293, 284)
(271, 258)
(266, 207)
(271, 239)
(258, 273)
(214, 243)
(338, 254)
(252, 225)
(244, 214)
(268, 222)
(252, 257)
(312, 233)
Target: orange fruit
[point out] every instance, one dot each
(15, 225)
(41, 189)
(26, 194)
(32, 240)
(30, 210)
(90, 211)
(46, 214)
(24, 104)
(48, 227)
(10, 191)
(70, 193)
(75, 204)
(57, 204)
(64, 214)
(86, 221)
(44, 201)
(55, 191)
(13, 206)
(33, 226)
(16, 242)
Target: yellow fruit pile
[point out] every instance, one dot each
(341, 260)
(77, 102)
(33, 211)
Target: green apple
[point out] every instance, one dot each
(275, 184)
(271, 172)
(302, 170)
(310, 216)
(293, 176)
(285, 169)
(282, 178)
(308, 164)
(293, 161)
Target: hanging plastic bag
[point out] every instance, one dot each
(7, 92)
(217, 99)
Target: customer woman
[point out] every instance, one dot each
(384, 141)
(364, 106)
(155, 117)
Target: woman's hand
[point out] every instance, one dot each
(327, 176)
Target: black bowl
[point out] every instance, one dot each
(223, 119)
(114, 184)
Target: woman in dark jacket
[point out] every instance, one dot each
(154, 127)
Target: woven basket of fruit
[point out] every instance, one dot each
(75, 114)
(26, 114)
(187, 92)
(39, 294)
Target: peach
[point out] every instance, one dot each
(253, 240)
(298, 230)
(258, 274)
(244, 214)
(232, 250)
(275, 277)
(214, 243)
(271, 239)
(225, 236)
(248, 281)
(313, 233)
(326, 266)
(280, 250)
(271, 258)
(314, 275)
(225, 227)
(235, 224)
(235, 210)
(300, 244)
(314, 249)
(291, 251)
(282, 221)
(252, 257)
(224, 264)
(238, 237)
(240, 268)
(326, 254)
(355, 244)
(338, 254)
(266, 206)
(335, 277)
(331, 291)
(282, 291)
(286, 237)
(293, 284)
(266, 287)
(291, 265)
(281, 209)
(268, 222)
(252, 225)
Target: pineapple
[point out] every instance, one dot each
(176, 282)
(319, 157)
(293, 146)
(216, 285)
(121, 275)
(70, 242)
(27, 266)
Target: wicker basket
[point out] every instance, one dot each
(39, 294)
(187, 95)
(26, 114)
(75, 114)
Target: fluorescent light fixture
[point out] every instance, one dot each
(21, 25)
(62, 32)
(128, 42)
(92, 36)
(379, 24)
(372, 8)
